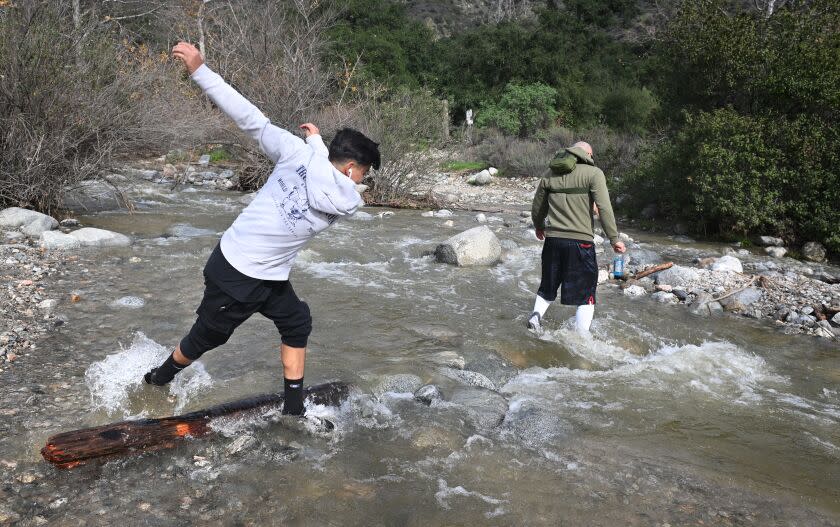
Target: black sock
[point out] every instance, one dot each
(164, 373)
(293, 404)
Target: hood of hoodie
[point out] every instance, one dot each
(331, 192)
(581, 154)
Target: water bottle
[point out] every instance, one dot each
(618, 266)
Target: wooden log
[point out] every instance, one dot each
(655, 269)
(71, 449)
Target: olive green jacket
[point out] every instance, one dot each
(563, 204)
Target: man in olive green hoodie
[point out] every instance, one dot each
(562, 215)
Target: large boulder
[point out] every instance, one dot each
(768, 241)
(477, 246)
(728, 263)
(29, 222)
(91, 237)
(742, 299)
(93, 196)
(775, 252)
(677, 276)
(482, 178)
(814, 252)
(56, 240)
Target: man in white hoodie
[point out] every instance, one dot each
(310, 188)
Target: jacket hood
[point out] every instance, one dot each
(331, 192)
(581, 154)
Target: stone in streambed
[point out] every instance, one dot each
(399, 383)
(55, 240)
(428, 393)
(91, 237)
(477, 246)
(92, 196)
(814, 252)
(664, 297)
(775, 252)
(677, 276)
(740, 300)
(485, 409)
(727, 263)
(634, 291)
(29, 222)
(768, 241)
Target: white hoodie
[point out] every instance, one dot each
(304, 195)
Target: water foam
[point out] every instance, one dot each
(115, 378)
(445, 493)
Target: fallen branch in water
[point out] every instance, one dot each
(71, 449)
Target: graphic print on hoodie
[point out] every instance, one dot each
(304, 194)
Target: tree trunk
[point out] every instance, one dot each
(71, 449)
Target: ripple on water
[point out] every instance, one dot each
(114, 379)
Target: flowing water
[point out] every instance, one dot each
(659, 418)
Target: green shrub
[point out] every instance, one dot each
(522, 109)
(731, 174)
(219, 154)
(629, 109)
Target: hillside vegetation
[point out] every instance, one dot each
(718, 114)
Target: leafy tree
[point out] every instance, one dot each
(522, 109)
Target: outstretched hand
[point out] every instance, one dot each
(189, 55)
(619, 247)
(309, 129)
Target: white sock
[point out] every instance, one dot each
(583, 318)
(541, 305)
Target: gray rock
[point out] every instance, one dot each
(428, 393)
(69, 222)
(55, 240)
(677, 276)
(767, 241)
(482, 178)
(481, 218)
(634, 291)
(640, 258)
(807, 310)
(399, 383)
(485, 409)
(534, 425)
(681, 294)
(449, 359)
(48, 304)
(204, 160)
(471, 378)
(477, 246)
(740, 300)
(227, 174)
(39, 226)
(776, 252)
(92, 195)
(700, 304)
(813, 252)
(715, 308)
(836, 319)
(665, 297)
(14, 236)
(492, 171)
(91, 237)
(18, 218)
(728, 263)
(443, 213)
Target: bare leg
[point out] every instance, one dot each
(293, 361)
(179, 357)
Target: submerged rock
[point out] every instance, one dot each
(665, 297)
(428, 393)
(535, 425)
(477, 246)
(399, 383)
(471, 378)
(634, 290)
(485, 409)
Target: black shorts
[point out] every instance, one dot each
(572, 265)
(230, 298)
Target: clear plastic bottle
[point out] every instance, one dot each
(618, 266)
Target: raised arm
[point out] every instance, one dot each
(274, 141)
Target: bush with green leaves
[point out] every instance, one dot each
(735, 175)
(522, 109)
(629, 109)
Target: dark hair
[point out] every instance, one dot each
(353, 145)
